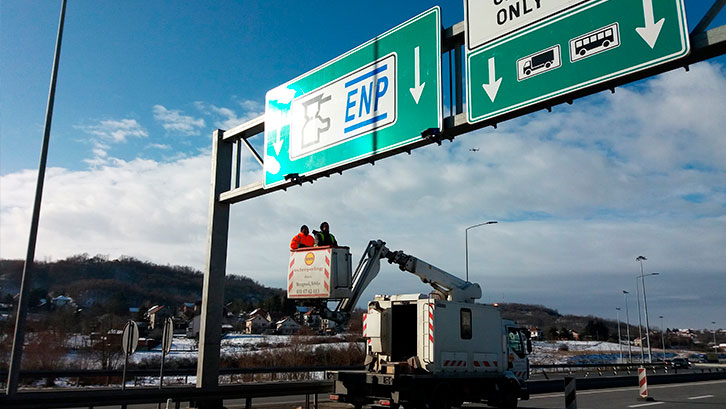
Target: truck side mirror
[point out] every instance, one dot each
(529, 345)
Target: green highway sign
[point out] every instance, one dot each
(377, 97)
(528, 53)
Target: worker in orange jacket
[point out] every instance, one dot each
(302, 239)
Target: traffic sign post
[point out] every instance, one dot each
(129, 342)
(374, 98)
(166, 342)
(529, 54)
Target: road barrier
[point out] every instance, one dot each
(642, 383)
(49, 399)
(570, 393)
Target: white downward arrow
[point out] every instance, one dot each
(651, 31)
(493, 86)
(277, 144)
(417, 86)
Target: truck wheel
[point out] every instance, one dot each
(508, 398)
(441, 398)
(441, 403)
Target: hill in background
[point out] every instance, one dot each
(104, 285)
(123, 283)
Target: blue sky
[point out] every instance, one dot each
(143, 84)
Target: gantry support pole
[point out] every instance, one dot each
(210, 332)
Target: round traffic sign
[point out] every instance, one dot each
(168, 335)
(130, 338)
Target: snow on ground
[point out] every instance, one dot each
(234, 343)
(544, 352)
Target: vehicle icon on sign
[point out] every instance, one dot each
(539, 62)
(602, 39)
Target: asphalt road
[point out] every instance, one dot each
(701, 395)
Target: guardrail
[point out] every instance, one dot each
(615, 369)
(52, 399)
(278, 373)
(605, 382)
(178, 395)
(600, 369)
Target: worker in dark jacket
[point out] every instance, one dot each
(323, 237)
(302, 239)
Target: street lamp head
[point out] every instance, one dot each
(625, 292)
(641, 258)
(617, 308)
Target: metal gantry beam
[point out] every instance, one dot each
(709, 16)
(704, 45)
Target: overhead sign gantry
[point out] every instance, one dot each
(376, 97)
(417, 101)
(520, 53)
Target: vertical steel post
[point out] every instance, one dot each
(715, 345)
(640, 323)
(16, 356)
(620, 342)
(662, 336)
(627, 327)
(210, 332)
(645, 308)
(459, 80)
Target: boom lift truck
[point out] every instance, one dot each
(433, 350)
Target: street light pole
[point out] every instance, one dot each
(640, 322)
(16, 354)
(662, 335)
(466, 242)
(627, 327)
(715, 347)
(645, 307)
(620, 343)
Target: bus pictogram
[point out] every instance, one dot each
(602, 39)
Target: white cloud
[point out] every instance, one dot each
(227, 118)
(116, 131)
(160, 146)
(107, 132)
(173, 120)
(579, 193)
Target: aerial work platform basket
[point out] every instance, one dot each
(319, 272)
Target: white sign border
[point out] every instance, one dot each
(685, 50)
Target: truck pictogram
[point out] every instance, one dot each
(539, 62)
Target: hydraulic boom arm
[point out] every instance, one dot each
(446, 285)
(449, 286)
